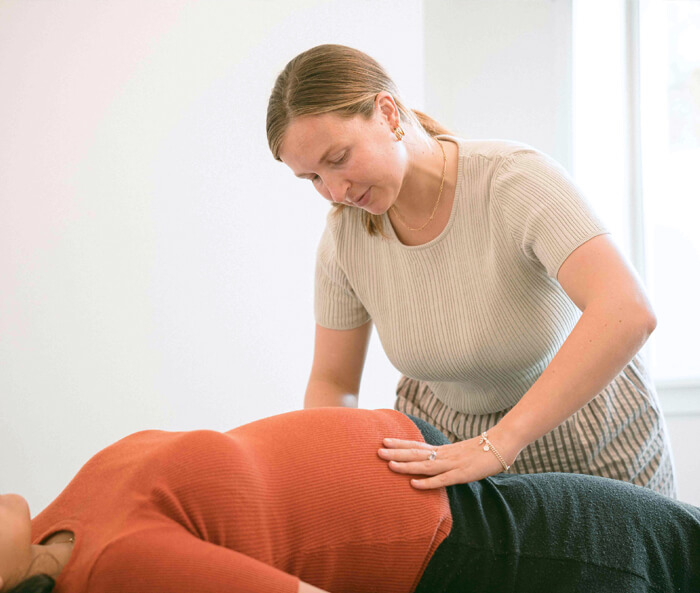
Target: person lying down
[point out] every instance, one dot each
(302, 501)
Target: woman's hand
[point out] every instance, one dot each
(457, 463)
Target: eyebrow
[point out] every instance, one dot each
(323, 158)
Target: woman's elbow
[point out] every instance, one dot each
(651, 322)
(648, 320)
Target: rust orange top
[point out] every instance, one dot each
(301, 495)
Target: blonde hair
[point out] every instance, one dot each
(342, 80)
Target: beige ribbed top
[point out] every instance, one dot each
(477, 312)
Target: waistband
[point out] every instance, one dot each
(431, 434)
(441, 573)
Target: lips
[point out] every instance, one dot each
(356, 201)
(363, 199)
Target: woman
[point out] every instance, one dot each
(474, 260)
(301, 502)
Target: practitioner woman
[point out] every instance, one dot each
(474, 260)
(302, 502)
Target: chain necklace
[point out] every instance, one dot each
(444, 169)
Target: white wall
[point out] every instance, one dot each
(502, 69)
(684, 429)
(156, 263)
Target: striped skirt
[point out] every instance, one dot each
(619, 434)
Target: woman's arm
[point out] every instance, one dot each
(339, 358)
(616, 321)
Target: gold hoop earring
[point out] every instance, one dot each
(398, 131)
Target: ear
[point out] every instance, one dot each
(385, 106)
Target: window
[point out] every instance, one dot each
(636, 83)
(669, 59)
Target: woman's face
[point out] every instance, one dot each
(15, 539)
(349, 161)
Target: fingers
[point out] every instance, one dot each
(444, 465)
(426, 468)
(403, 444)
(447, 479)
(422, 460)
(422, 454)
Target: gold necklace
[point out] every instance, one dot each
(444, 169)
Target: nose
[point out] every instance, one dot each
(337, 189)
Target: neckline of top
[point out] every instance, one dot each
(455, 203)
(76, 528)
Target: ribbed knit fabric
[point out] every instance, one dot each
(476, 313)
(298, 495)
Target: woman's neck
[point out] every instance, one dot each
(421, 184)
(51, 556)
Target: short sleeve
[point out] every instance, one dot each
(336, 305)
(544, 211)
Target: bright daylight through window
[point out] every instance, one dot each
(669, 67)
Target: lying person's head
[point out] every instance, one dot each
(24, 567)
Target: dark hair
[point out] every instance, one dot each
(341, 80)
(39, 583)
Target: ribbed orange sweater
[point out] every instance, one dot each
(298, 495)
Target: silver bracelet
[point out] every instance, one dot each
(488, 446)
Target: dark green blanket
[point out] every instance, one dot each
(550, 533)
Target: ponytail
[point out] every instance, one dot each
(432, 127)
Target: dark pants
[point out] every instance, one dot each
(555, 532)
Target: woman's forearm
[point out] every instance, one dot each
(605, 339)
(325, 393)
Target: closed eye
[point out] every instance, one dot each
(340, 160)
